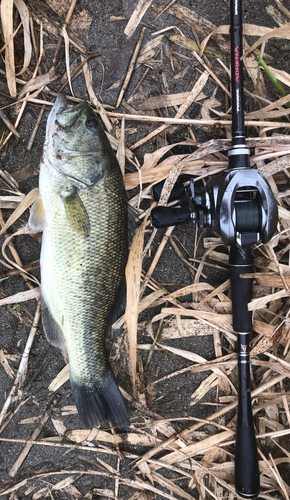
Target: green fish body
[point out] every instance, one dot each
(83, 255)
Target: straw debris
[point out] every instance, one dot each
(183, 131)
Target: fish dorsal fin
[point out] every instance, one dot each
(75, 211)
(52, 329)
(36, 217)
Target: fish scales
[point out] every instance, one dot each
(83, 257)
(79, 276)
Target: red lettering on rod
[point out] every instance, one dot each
(237, 64)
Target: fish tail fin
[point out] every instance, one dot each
(101, 402)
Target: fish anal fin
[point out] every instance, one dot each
(101, 403)
(133, 223)
(117, 310)
(52, 329)
(75, 211)
(36, 217)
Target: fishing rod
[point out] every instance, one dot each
(247, 479)
(240, 205)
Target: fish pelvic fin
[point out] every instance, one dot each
(52, 329)
(101, 403)
(36, 217)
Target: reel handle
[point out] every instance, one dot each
(178, 191)
(166, 216)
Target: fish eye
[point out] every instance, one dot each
(92, 124)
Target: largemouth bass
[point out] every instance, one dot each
(82, 211)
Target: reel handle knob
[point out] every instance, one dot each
(166, 216)
(177, 192)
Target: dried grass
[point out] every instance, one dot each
(202, 452)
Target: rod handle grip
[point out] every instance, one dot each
(247, 479)
(167, 216)
(241, 262)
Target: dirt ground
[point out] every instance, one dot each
(55, 414)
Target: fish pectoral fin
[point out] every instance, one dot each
(52, 329)
(36, 217)
(76, 215)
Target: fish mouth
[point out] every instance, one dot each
(66, 116)
(62, 117)
(59, 105)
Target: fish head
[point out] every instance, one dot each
(76, 144)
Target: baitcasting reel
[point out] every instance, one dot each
(238, 204)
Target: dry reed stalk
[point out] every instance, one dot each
(34, 293)
(26, 202)
(137, 484)
(9, 125)
(17, 263)
(187, 102)
(131, 67)
(212, 417)
(35, 128)
(121, 151)
(212, 74)
(164, 101)
(187, 121)
(133, 280)
(89, 84)
(22, 370)
(7, 26)
(157, 257)
(195, 121)
(16, 466)
(281, 32)
(77, 71)
(68, 446)
(136, 17)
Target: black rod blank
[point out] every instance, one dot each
(247, 481)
